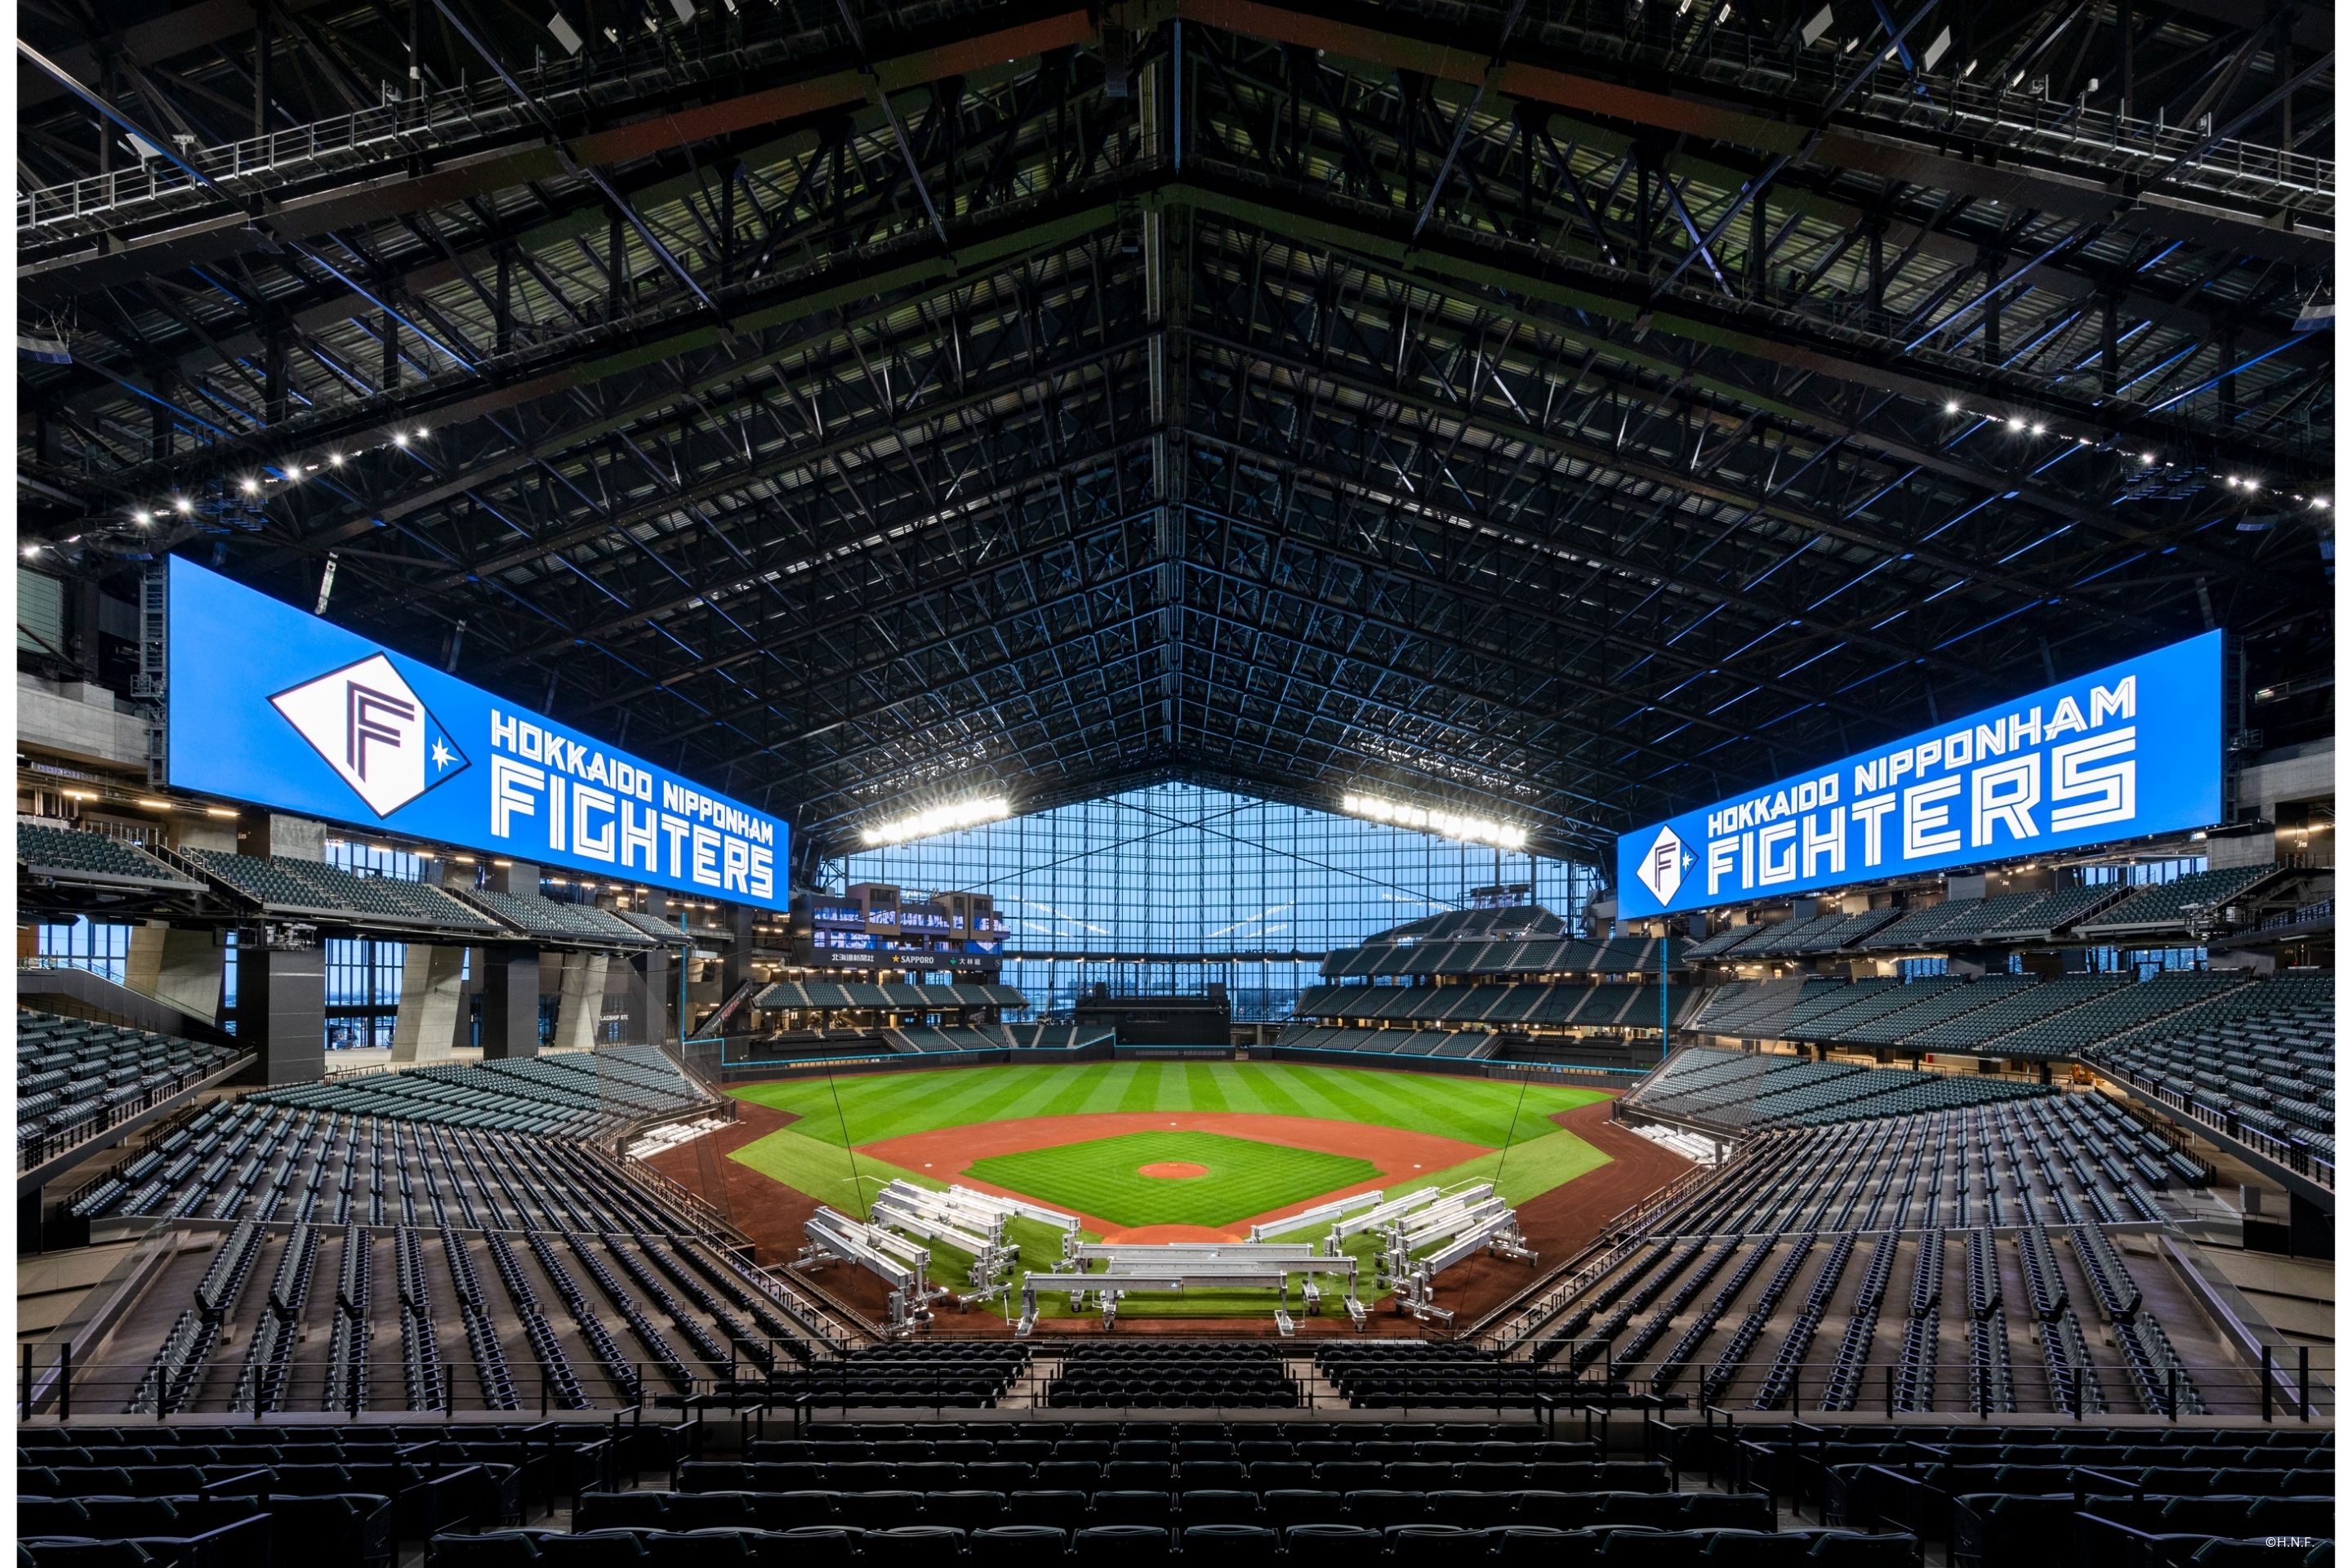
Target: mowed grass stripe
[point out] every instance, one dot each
(1146, 1090)
(1347, 1102)
(888, 1105)
(1017, 1098)
(1272, 1091)
(1109, 1081)
(889, 1100)
(1070, 1092)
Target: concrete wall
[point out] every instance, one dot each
(86, 722)
(2288, 773)
(432, 999)
(296, 838)
(182, 966)
(580, 999)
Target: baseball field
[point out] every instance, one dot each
(1163, 1151)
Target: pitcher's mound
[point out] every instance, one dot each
(1171, 1168)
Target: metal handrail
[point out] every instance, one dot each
(1529, 1310)
(2280, 1389)
(2299, 1158)
(2118, 143)
(1812, 76)
(59, 1140)
(678, 54)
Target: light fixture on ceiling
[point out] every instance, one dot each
(1444, 824)
(969, 812)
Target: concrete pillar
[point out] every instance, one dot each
(706, 978)
(580, 1003)
(510, 977)
(652, 985)
(509, 1001)
(281, 1008)
(2310, 1230)
(739, 921)
(431, 988)
(181, 966)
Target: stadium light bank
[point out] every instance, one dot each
(939, 819)
(1444, 824)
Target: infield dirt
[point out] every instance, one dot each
(944, 1154)
(1558, 1223)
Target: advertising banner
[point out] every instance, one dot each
(284, 709)
(2123, 752)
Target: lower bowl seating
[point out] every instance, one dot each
(861, 1495)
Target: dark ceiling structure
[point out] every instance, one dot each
(1567, 412)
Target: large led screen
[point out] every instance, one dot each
(2122, 753)
(284, 709)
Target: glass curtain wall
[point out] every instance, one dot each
(1175, 888)
(363, 974)
(101, 947)
(2144, 962)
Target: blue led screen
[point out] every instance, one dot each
(2125, 752)
(286, 709)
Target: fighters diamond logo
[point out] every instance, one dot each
(373, 729)
(1662, 869)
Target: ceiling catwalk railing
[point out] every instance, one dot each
(455, 117)
(2108, 147)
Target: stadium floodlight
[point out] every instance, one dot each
(939, 819)
(1444, 824)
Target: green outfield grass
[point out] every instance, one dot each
(866, 1110)
(1100, 1177)
(817, 1153)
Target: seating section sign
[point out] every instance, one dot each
(2123, 752)
(288, 711)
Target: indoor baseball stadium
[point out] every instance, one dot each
(812, 784)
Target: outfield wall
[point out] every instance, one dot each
(1454, 1067)
(1204, 1053)
(762, 1070)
